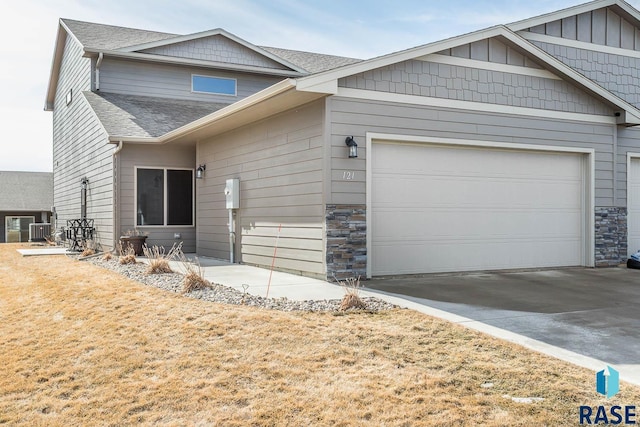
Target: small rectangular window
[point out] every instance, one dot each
(216, 85)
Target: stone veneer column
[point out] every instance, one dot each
(346, 241)
(611, 236)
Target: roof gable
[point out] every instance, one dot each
(600, 40)
(615, 25)
(618, 6)
(215, 45)
(216, 48)
(327, 82)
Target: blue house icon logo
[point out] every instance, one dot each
(608, 382)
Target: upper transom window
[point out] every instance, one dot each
(215, 85)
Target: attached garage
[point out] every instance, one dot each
(633, 202)
(437, 205)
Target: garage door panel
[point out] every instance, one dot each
(467, 256)
(457, 191)
(412, 225)
(434, 207)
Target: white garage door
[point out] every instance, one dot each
(438, 208)
(633, 208)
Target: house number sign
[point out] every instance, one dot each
(348, 175)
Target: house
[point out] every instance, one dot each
(25, 198)
(516, 146)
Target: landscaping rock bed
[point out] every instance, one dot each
(227, 295)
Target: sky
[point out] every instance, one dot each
(356, 28)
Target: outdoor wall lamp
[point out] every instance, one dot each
(353, 147)
(200, 171)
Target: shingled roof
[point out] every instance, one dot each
(312, 62)
(110, 37)
(26, 191)
(143, 116)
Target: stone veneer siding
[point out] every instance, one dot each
(346, 241)
(610, 236)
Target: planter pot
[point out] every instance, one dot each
(135, 242)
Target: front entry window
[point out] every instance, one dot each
(164, 196)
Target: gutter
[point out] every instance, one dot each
(98, 64)
(116, 193)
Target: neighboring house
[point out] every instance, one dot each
(25, 198)
(511, 147)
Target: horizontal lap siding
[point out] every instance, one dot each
(81, 150)
(356, 117)
(171, 81)
(628, 142)
(164, 156)
(279, 164)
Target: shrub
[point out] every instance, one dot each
(127, 254)
(158, 260)
(193, 274)
(351, 298)
(107, 256)
(88, 252)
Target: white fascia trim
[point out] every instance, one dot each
(247, 102)
(216, 32)
(305, 83)
(561, 14)
(472, 106)
(589, 243)
(578, 44)
(491, 66)
(193, 62)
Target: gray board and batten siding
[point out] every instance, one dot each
(601, 27)
(135, 156)
(173, 81)
(616, 69)
(81, 149)
(279, 162)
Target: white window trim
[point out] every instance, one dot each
(588, 176)
(235, 85)
(164, 195)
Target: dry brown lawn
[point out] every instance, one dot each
(83, 346)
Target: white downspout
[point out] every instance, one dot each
(98, 63)
(116, 192)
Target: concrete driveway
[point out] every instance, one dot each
(591, 312)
